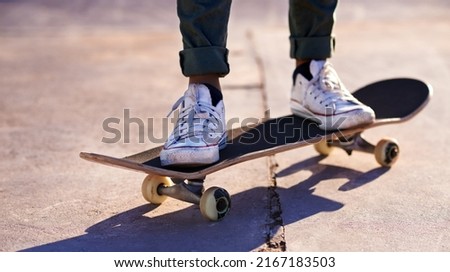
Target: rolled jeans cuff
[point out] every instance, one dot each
(204, 60)
(312, 47)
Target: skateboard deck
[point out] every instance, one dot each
(394, 100)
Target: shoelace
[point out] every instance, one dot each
(188, 117)
(331, 90)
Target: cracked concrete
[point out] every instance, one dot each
(274, 226)
(65, 67)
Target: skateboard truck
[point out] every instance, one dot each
(190, 191)
(355, 142)
(386, 151)
(214, 203)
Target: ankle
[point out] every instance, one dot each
(210, 79)
(299, 62)
(303, 69)
(216, 94)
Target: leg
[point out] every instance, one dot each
(200, 131)
(311, 24)
(203, 25)
(317, 91)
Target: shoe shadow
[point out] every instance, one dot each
(243, 230)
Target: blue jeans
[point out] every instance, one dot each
(204, 28)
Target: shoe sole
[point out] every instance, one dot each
(342, 121)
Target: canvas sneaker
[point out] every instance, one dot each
(319, 94)
(200, 130)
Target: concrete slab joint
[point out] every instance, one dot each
(275, 238)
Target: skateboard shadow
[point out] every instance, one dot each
(184, 230)
(321, 172)
(244, 229)
(303, 192)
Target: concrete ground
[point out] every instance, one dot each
(66, 67)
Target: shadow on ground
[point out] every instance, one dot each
(302, 200)
(185, 230)
(321, 172)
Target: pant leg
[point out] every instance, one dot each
(311, 23)
(204, 26)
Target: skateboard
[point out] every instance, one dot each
(394, 101)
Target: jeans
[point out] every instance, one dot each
(204, 28)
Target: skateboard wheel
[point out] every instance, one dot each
(387, 151)
(215, 203)
(323, 148)
(150, 188)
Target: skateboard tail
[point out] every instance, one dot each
(124, 163)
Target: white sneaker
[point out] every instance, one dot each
(326, 100)
(200, 131)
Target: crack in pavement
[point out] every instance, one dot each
(274, 229)
(275, 238)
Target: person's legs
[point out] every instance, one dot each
(200, 131)
(317, 91)
(204, 26)
(311, 25)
